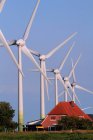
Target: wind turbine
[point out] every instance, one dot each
(2, 2)
(21, 44)
(42, 59)
(75, 85)
(67, 82)
(59, 77)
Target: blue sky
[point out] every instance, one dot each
(55, 21)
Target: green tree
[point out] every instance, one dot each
(74, 123)
(6, 116)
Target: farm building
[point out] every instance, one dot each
(60, 110)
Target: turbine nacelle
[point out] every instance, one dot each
(20, 42)
(73, 84)
(66, 79)
(42, 57)
(56, 71)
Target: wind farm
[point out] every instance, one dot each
(47, 38)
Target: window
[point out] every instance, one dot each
(53, 118)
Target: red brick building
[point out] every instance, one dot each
(63, 109)
(59, 111)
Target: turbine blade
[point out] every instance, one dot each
(34, 52)
(46, 83)
(59, 46)
(10, 43)
(73, 92)
(73, 73)
(74, 67)
(63, 62)
(61, 94)
(30, 22)
(49, 70)
(30, 56)
(2, 38)
(69, 95)
(84, 89)
(2, 2)
(87, 108)
(66, 88)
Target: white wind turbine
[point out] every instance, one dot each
(21, 44)
(75, 85)
(59, 77)
(67, 82)
(2, 2)
(42, 59)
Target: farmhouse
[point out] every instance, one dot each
(60, 110)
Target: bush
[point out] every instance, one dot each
(74, 123)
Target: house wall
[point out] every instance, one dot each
(51, 120)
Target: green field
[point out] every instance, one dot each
(46, 136)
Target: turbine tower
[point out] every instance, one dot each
(21, 44)
(42, 59)
(58, 76)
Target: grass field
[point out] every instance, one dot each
(46, 136)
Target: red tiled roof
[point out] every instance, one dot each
(69, 109)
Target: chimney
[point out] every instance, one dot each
(72, 103)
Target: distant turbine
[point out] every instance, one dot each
(2, 2)
(67, 82)
(21, 44)
(59, 77)
(42, 59)
(75, 85)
